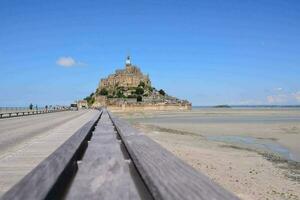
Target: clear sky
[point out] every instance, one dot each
(209, 52)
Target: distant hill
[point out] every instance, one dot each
(222, 106)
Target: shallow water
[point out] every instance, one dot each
(255, 143)
(250, 128)
(219, 119)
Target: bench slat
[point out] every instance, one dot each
(103, 172)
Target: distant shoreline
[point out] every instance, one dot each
(249, 106)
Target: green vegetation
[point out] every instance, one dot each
(121, 88)
(142, 91)
(103, 92)
(139, 91)
(162, 92)
(139, 98)
(142, 84)
(120, 94)
(151, 88)
(90, 99)
(222, 106)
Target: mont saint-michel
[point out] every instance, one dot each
(130, 89)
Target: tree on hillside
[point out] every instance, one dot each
(121, 88)
(150, 89)
(90, 99)
(162, 92)
(139, 91)
(103, 92)
(139, 99)
(142, 84)
(120, 94)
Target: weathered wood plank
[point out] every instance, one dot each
(104, 150)
(103, 129)
(166, 176)
(124, 128)
(100, 139)
(99, 180)
(105, 126)
(100, 130)
(103, 133)
(103, 172)
(46, 181)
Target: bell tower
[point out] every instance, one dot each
(128, 61)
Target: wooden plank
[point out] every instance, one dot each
(105, 126)
(104, 173)
(97, 179)
(102, 139)
(105, 120)
(106, 117)
(106, 123)
(100, 129)
(104, 132)
(48, 179)
(166, 176)
(102, 151)
(124, 128)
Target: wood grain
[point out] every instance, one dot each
(104, 173)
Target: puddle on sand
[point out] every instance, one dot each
(255, 143)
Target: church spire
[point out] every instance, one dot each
(128, 61)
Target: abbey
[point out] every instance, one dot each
(130, 89)
(129, 77)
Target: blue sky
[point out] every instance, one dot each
(209, 52)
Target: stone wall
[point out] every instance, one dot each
(131, 76)
(143, 107)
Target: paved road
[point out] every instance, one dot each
(26, 141)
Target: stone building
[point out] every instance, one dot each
(129, 88)
(82, 104)
(129, 77)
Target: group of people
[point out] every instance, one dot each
(36, 107)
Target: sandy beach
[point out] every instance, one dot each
(253, 153)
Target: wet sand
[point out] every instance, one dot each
(251, 152)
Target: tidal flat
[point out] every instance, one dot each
(253, 152)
